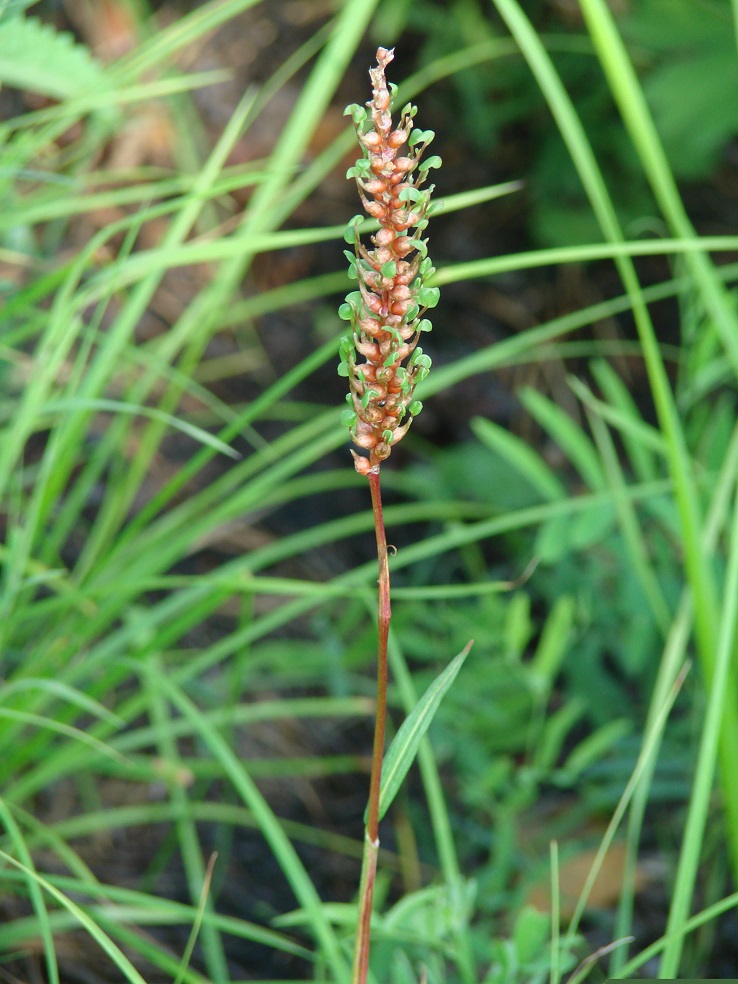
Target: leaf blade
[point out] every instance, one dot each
(404, 747)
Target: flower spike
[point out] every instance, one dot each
(381, 357)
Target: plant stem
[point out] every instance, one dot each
(371, 838)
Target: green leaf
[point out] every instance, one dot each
(346, 310)
(434, 161)
(35, 57)
(517, 454)
(421, 245)
(530, 934)
(404, 747)
(360, 169)
(678, 93)
(569, 436)
(429, 296)
(411, 194)
(389, 270)
(594, 747)
(350, 235)
(415, 407)
(369, 395)
(421, 136)
(554, 643)
(152, 413)
(356, 112)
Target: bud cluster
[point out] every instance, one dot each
(386, 312)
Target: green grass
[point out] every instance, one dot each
(155, 628)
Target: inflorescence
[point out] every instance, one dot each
(386, 313)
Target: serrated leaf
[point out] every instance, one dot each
(36, 58)
(401, 753)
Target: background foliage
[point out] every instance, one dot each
(186, 603)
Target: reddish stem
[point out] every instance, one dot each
(371, 842)
(383, 624)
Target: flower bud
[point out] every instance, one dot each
(386, 325)
(402, 220)
(384, 237)
(361, 464)
(403, 246)
(375, 209)
(371, 140)
(401, 292)
(375, 186)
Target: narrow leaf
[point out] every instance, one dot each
(404, 747)
(116, 406)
